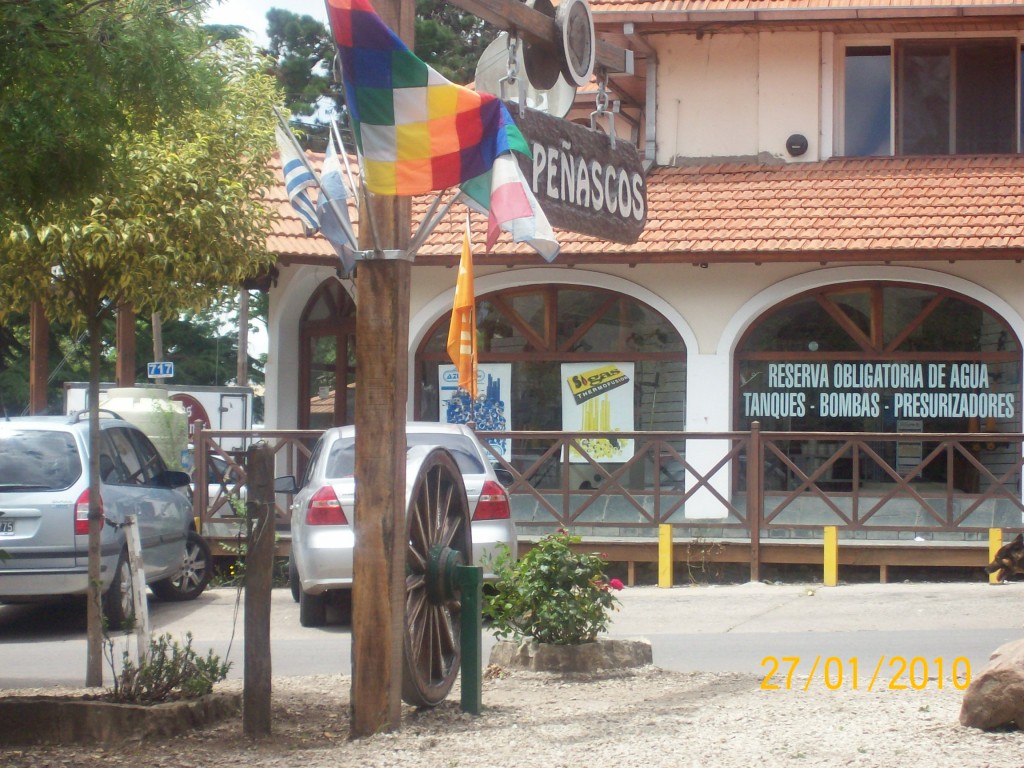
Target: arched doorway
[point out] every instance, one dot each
(327, 372)
(878, 356)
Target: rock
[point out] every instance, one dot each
(603, 654)
(995, 696)
(71, 720)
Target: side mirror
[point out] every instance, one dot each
(286, 484)
(505, 477)
(171, 478)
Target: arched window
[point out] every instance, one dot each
(880, 357)
(532, 332)
(327, 371)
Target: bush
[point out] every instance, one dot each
(170, 671)
(552, 594)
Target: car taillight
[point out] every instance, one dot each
(325, 509)
(493, 504)
(82, 514)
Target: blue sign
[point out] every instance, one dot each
(160, 370)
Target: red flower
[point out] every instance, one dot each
(615, 584)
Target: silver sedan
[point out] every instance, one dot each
(323, 538)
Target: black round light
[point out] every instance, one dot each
(796, 144)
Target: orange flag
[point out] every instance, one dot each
(462, 331)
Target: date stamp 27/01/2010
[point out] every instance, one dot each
(895, 673)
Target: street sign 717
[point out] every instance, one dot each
(160, 370)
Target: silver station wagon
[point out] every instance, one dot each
(44, 509)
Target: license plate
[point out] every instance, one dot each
(6, 527)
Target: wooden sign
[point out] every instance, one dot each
(581, 182)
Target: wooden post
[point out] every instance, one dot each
(259, 561)
(157, 323)
(382, 384)
(378, 586)
(124, 374)
(138, 571)
(242, 374)
(755, 498)
(38, 366)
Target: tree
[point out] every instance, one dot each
(73, 73)
(447, 38)
(450, 40)
(203, 350)
(170, 218)
(304, 52)
(67, 360)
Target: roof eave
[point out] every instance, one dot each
(704, 17)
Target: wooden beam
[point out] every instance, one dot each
(793, 552)
(125, 367)
(535, 26)
(38, 358)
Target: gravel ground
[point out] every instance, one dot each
(648, 717)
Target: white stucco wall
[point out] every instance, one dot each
(738, 95)
(711, 308)
(788, 92)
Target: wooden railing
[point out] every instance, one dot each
(736, 485)
(216, 497)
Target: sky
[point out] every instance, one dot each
(253, 13)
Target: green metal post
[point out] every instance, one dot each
(470, 579)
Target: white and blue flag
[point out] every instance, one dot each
(332, 208)
(297, 179)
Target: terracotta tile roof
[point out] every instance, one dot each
(841, 209)
(891, 7)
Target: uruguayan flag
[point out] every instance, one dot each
(297, 179)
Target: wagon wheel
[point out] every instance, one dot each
(437, 523)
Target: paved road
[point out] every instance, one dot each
(720, 628)
(734, 628)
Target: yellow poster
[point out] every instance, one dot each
(598, 397)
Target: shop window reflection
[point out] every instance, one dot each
(913, 360)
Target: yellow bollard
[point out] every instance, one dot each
(665, 556)
(831, 555)
(995, 542)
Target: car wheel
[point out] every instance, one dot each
(117, 602)
(312, 610)
(195, 574)
(293, 579)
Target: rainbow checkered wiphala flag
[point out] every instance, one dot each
(417, 132)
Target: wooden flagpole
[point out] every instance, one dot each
(382, 367)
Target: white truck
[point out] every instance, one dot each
(228, 408)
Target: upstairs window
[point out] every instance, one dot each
(868, 123)
(951, 97)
